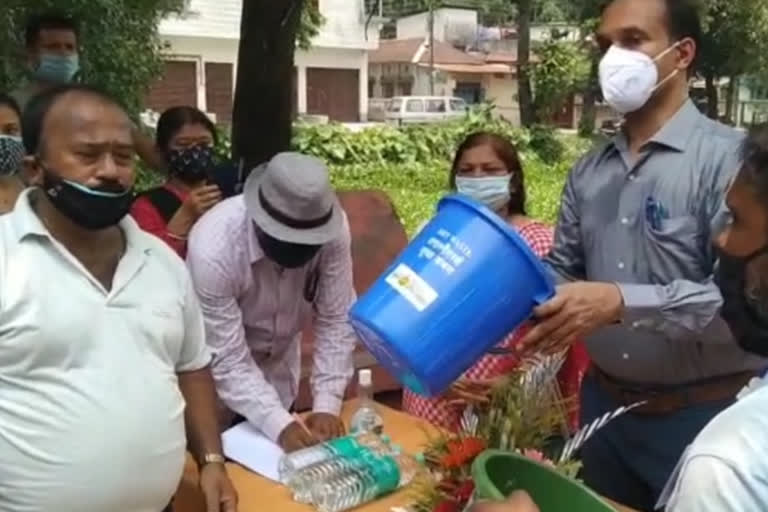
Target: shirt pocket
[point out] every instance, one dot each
(674, 250)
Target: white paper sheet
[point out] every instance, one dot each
(247, 446)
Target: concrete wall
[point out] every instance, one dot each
(344, 27)
(210, 33)
(503, 92)
(332, 58)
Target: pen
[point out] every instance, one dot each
(303, 425)
(654, 213)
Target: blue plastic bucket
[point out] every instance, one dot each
(464, 283)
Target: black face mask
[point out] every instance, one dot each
(286, 254)
(89, 208)
(192, 164)
(747, 320)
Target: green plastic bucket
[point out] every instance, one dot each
(497, 474)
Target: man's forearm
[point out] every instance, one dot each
(681, 310)
(201, 412)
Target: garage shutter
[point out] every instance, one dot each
(334, 92)
(177, 86)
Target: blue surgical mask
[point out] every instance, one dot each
(57, 69)
(492, 191)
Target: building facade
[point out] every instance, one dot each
(330, 79)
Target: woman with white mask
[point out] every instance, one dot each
(487, 169)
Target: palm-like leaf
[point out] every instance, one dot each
(583, 435)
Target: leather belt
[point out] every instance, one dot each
(665, 401)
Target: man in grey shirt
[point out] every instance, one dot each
(633, 252)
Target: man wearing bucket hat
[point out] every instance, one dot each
(633, 259)
(263, 263)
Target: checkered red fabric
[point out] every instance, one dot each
(439, 412)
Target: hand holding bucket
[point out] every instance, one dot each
(464, 283)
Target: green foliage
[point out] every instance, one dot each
(415, 188)
(411, 143)
(119, 43)
(736, 38)
(545, 144)
(412, 163)
(561, 69)
(309, 25)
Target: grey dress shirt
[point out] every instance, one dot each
(671, 331)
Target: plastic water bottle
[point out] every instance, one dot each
(366, 418)
(363, 483)
(302, 480)
(291, 463)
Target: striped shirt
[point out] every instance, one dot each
(255, 311)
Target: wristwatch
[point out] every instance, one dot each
(211, 458)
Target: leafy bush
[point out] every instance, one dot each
(336, 144)
(545, 143)
(415, 188)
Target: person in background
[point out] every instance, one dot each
(726, 468)
(265, 263)
(487, 168)
(186, 137)
(53, 58)
(11, 153)
(104, 372)
(634, 262)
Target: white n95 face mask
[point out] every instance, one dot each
(629, 78)
(492, 191)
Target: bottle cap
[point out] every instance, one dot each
(364, 377)
(385, 438)
(420, 458)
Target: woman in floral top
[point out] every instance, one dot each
(487, 168)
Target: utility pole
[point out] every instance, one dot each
(432, 47)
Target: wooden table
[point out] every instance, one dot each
(258, 494)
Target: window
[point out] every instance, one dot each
(414, 106)
(458, 105)
(395, 105)
(389, 90)
(436, 106)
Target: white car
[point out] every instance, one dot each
(424, 109)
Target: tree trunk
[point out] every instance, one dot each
(713, 110)
(589, 100)
(524, 93)
(262, 117)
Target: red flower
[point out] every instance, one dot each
(446, 506)
(462, 451)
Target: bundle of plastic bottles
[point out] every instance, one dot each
(347, 472)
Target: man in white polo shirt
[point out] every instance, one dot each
(101, 335)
